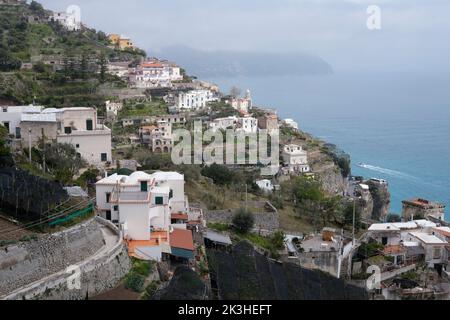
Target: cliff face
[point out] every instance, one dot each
(381, 199)
(331, 178)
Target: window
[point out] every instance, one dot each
(116, 208)
(18, 135)
(89, 125)
(108, 196)
(6, 124)
(77, 145)
(171, 194)
(104, 157)
(436, 253)
(144, 186)
(159, 200)
(67, 130)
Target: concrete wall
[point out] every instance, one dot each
(31, 261)
(91, 144)
(325, 261)
(39, 267)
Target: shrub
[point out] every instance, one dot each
(243, 220)
(220, 174)
(135, 282)
(277, 239)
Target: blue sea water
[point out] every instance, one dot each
(397, 124)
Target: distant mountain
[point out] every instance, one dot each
(224, 63)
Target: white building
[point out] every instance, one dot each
(247, 125)
(243, 105)
(265, 185)
(113, 108)
(119, 69)
(435, 248)
(194, 99)
(142, 205)
(161, 137)
(70, 21)
(223, 123)
(76, 126)
(295, 158)
(155, 74)
(291, 123)
(10, 117)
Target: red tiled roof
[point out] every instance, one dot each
(182, 239)
(180, 216)
(152, 65)
(443, 232)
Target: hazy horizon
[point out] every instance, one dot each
(412, 35)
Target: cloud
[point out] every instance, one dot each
(413, 31)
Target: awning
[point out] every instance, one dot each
(217, 237)
(182, 253)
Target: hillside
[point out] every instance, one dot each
(45, 63)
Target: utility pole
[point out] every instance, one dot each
(246, 197)
(29, 144)
(353, 226)
(43, 147)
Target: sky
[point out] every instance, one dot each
(413, 34)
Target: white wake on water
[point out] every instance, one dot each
(394, 173)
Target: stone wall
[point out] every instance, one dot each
(30, 261)
(100, 268)
(266, 218)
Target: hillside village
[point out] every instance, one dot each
(87, 137)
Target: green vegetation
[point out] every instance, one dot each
(369, 249)
(61, 160)
(139, 109)
(150, 290)
(140, 270)
(393, 217)
(243, 220)
(135, 282)
(218, 226)
(317, 207)
(340, 158)
(220, 174)
(65, 63)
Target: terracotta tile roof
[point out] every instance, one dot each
(179, 216)
(182, 239)
(442, 231)
(153, 242)
(394, 249)
(152, 65)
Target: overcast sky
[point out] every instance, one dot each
(414, 34)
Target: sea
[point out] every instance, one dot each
(396, 124)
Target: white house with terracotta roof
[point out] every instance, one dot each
(142, 206)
